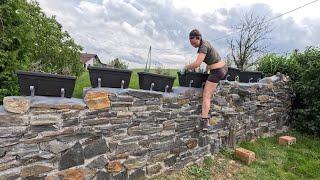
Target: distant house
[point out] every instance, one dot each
(91, 60)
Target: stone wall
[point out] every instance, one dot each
(142, 134)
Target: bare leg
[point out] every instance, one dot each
(208, 92)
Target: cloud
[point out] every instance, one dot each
(126, 28)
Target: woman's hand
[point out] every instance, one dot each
(197, 62)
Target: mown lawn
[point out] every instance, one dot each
(84, 81)
(299, 161)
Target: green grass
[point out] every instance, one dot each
(299, 161)
(84, 81)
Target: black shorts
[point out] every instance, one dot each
(217, 74)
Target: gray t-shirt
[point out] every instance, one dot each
(212, 56)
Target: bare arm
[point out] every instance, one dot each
(197, 63)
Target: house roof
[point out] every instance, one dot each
(85, 57)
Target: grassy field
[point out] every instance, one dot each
(299, 161)
(84, 81)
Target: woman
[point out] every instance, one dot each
(218, 70)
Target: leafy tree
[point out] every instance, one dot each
(29, 40)
(118, 63)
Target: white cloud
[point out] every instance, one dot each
(126, 28)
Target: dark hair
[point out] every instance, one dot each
(195, 33)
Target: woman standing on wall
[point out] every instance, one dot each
(218, 70)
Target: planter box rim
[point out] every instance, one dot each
(44, 74)
(157, 75)
(109, 69)
(233, 68)
(252, 72)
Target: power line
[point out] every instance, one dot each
(271, 19)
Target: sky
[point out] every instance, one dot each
(126, 28)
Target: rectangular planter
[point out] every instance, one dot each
(182, 79)
(244, 76)
(198, 79)
(45, 84)
(232, 72)
(160, 81)
(110, 77)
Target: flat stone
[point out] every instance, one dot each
(8, 119)
(220, 101)
(72, 157)
(99, 162)
(137, 174)
(121, 98)
(57, 103)
(44, 120)
(96, 100)
(124, 114)
(169, 125)
(170, 161)
(34, 170)
(10, 176)
(158, 156)
(121, 104)
(95, 148)
(135, 162)
(144, 94)
(114, 166)
(263, 98)
(138, 108)
(55, 146)
(101, 175)
(9, 165)
(154, 169)
(144, 130)
(192, 143)
(16, 104)
(8, 132)
(130, 147)
(77, 173)
(5, 142)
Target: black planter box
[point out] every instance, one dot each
(110, 77)
(45, 84)
(198, 79)
(182, 79)
(232, 72)
(244, 76)
(160, 81)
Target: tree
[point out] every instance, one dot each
(250, 42)
(118, 63)
(29, 40)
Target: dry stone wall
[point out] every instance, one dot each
(133, 134)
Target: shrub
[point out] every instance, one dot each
(304, 70)
(162, 71)
(118, 63)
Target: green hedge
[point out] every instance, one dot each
(304, 70)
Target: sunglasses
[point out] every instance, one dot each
(192, 37)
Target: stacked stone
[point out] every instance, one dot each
(132, 134)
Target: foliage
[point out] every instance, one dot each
(118, 63)
(31, 41)
(304, 69)
(201, 172)
(162, 71)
